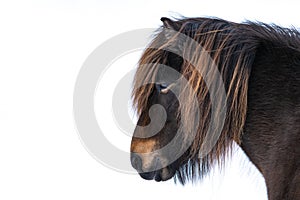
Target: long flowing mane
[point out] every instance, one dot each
(232, 48)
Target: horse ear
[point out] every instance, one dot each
(170, 28)
(168, 23)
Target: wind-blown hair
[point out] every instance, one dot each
(232, 48)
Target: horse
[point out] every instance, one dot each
(204, 84)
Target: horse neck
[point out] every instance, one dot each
(272, 129)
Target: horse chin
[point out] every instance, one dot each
(163, 174)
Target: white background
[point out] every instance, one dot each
(42, 47)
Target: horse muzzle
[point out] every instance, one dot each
(151, 167)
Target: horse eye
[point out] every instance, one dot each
(163, 86)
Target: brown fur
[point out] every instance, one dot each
(221, 42)
(232, 48)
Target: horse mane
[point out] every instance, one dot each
(232, 48)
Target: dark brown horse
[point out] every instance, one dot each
(205, 83)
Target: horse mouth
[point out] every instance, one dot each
(159, 175)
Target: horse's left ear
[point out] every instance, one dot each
(168, 23)
(170, 29)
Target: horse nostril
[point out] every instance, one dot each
(136, 162)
